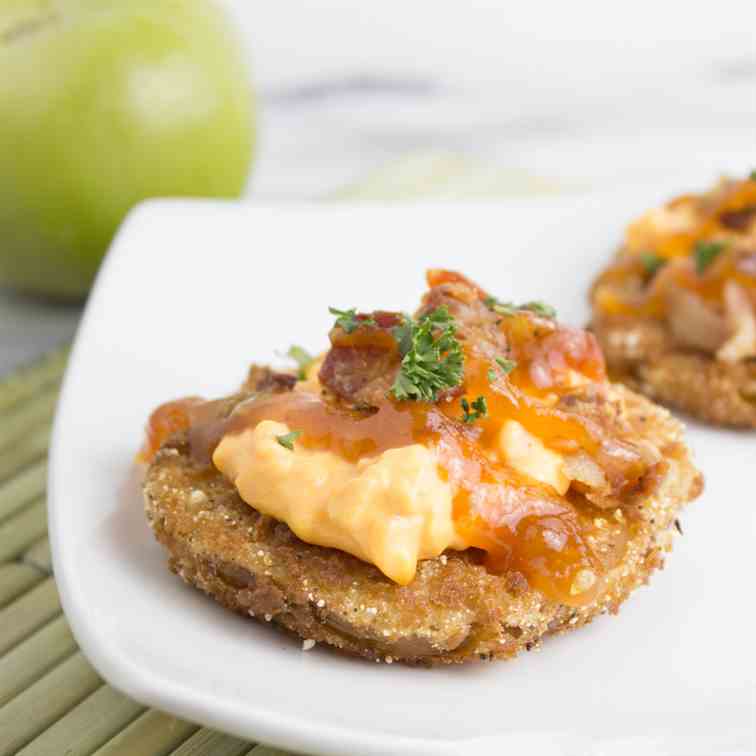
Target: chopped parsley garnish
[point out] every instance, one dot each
(287, 439)
(303, 359)
(348, 321)
(506, 365)
(432, 358)
(541, 309)
(652, 262)
(752, 176)
(473, 411)
(705, 253)
(492, 375)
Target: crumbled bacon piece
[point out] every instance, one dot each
(554, 359)
(361, 366)
(738, 220)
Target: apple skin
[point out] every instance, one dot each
(104, 103)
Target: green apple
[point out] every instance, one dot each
(104, 103)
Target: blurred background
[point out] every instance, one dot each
(391, 100)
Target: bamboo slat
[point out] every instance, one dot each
(22, 488)
(38, 555)
(211, 743)
(93, 722)
(30, 448)
(33, 658)
(34, 710)
(14, 580)
(21, 618)
(35, 411)
(152, 734)
(22, 529)
(30, 380)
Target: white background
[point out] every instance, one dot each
(598, 92)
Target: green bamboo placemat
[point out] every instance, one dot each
(52, 701)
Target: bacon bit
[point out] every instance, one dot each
(361, 375)
(361, 366)
(738, 220)
(386, 320)
(554, 358)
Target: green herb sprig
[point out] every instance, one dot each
(303, 359)
(287, 439)
(652, 262)
(432, 358)
(474, 411)
(348, 321)
(704, 253)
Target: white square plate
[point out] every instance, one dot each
(189, 295)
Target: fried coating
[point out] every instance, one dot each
(641, 354)
(453, 611)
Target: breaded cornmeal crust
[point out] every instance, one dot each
(453, 611)
(642, 355)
